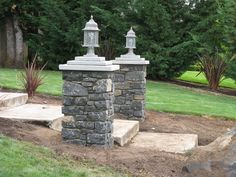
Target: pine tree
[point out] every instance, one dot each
(162, 28)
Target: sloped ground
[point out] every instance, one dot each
(139, 162)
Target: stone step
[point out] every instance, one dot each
(35, 112)
(167, 142)
(124, 130)
(8, 100)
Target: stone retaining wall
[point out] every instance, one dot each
(130, 87)
(88, 102)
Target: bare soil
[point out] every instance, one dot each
(139, 162)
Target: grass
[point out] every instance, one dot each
(191, 76)
(52, 84)
(177, 99)
(27, 160)
(161, 96)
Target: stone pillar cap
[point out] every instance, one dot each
(130, 59)
(83, 63)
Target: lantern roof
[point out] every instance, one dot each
(131, 33)
(91, 25)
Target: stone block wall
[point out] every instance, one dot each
(130, 87)
(88, 103)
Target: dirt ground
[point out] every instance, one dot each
(138, 162)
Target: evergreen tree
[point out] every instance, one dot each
(228, 14)
(162, 28)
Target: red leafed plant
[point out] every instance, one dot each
(31, 77)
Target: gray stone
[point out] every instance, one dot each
(116, 107)
(139, 113)
(72, 75)
(103, 85)
(139, 85)
(89, 79)
(102, 96)
(87, 84)
(127, 112)
(78, 101)
(103, 105)
(73, 110)
(102, 75)
(98, 116)
(74, 89)
(85, 124)
(80, 117)
(96, 138)
(90, 103)
(119, 100)
(121, 85)
(70, 133)
(90, 108)
(137, 105)
(119, 78)
(76, 141)
(135, 76)
(103, 127)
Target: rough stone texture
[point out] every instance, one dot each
(130, 85)
(88, 100)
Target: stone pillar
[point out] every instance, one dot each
(88, 97)
(130, 87)
(88, 101)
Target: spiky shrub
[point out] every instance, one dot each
(31, 77)
(213, 67)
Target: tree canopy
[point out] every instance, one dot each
(167, 30)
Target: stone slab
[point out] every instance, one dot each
(124, 130)
(34, 112)
(130, 62)
(167, 142)
(8, 99)
(89, 67)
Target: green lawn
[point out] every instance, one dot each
(9, 78)
(27, 160)
(167, 97)
(191, 76)
(161, 96)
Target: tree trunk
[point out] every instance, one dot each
(11, 44)
(19, 44)
(3, 44)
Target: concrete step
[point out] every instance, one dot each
(35, 112)
(8, 100)
(167, 142)
(124, 130)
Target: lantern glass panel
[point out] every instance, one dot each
(130, 42)
(90, 38)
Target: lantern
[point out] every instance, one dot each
(91, 33)
(130, 41)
